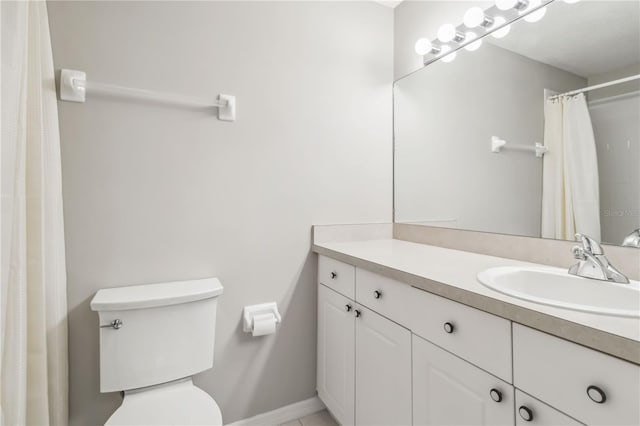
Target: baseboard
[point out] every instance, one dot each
(283, 414)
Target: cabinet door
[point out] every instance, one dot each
(383, 371)
(449, 391)
(336, 354)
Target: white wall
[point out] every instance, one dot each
(445, 117)
(157, 193)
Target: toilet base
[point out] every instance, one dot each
(175, 403)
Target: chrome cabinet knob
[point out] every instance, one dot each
(596, 394)
(377, 294)
(496, 395)
(334, 275)
(348, 307)
(525, 413)
(115, 324)
(448, 327)
(357, 313)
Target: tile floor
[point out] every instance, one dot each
(321, 418)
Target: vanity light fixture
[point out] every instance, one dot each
(538, 14)
(424, 46)
(512, 4)
(483, 22)
(448, 32)
(475, 17)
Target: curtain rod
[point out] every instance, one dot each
(597, 86)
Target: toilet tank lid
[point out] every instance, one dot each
(154, 295)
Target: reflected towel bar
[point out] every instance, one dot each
(498, 144)
(74, 85)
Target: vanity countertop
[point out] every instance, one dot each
(452, 274)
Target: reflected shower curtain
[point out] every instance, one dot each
(570, 185)
(33, 308)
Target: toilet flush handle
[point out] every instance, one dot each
(115, 324)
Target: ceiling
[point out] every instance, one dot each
(585, 38)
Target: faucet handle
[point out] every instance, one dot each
(589, 244)
(578, 253)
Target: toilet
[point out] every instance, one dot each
(153, 339)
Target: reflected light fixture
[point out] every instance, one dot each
(447, 57)
(538, 14)
(498, 21)
(475, 45)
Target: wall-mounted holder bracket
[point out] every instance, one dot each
(74, 85)
(498, 145)
(250, 312)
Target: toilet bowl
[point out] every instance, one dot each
(153, 338)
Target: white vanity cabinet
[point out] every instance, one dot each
(449, 391)
(364, 363)
(392, 354)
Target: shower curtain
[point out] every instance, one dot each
(33, 311)
(570, 185)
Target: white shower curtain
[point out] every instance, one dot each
(570, 186)
(33, 311)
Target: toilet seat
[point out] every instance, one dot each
(174, 403)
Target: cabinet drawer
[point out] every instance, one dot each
(388, 297)
(567, 376)
(337, 275)
(481, 338)
(530, 411)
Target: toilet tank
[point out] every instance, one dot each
(155, 333)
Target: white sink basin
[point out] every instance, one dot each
(555, 287)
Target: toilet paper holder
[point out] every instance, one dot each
(250, 312)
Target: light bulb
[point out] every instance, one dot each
(446, 33)
(537, 15)
(499, 20)
(423, 46)
(474, 17)
(506, 4)
(446, 56)
(475, 45)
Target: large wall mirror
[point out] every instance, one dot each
(465, 131)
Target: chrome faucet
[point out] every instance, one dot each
(632, 240)
(592, 263)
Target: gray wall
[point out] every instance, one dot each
(156, 193)
(445, 116)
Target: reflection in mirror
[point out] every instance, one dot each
(535, 134)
